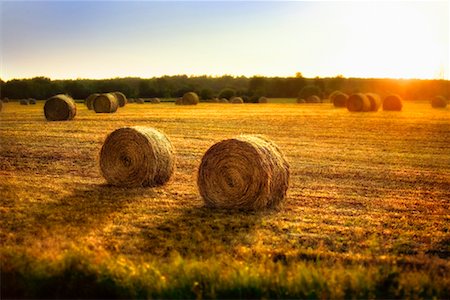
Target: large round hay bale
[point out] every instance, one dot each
(32, 101)
(236, 100)
(121, 98)
(375, 101)
(338, 98)
(301, 100)
(137, 156)
(90, 101)
(393, 102)
(140, 101)
(358, 102)
(155, 100)
(263, 100)
(313, 99)
(247, 172)
(24, 102)
(224, 100)
(189, 98)
(439, 102)
(105, 103)
(60, 108)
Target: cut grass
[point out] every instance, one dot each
(366, 215)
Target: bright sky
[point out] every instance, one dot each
(85, 39)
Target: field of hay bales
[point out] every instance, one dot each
(367, 213)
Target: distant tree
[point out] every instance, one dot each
(227, 93)
(309, 90)
(206, 93)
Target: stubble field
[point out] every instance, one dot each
(366, 214)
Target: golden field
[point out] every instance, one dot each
(366, 214)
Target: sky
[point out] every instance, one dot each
(109, 39)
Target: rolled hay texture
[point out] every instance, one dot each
(60, 108)
(1, 105)
(137, 156)
(140, 101)
(393, 102)
(5, 100)
(90, 100)
(131, 100)
(313, 99)
(338, 98)
(105, 103)
(263, 100)
(155, 100)
(224, 100)
(236, 100)
(439, 102)
(300, 100)
(24, 102)
(31, 101)
(121, 98)
(375, 101)
(358, 103)
(189, 98)
(247, 172)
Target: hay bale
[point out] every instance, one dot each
(5, 100)
(155, 100)
(32, 101)
(189, 98)
(247, 172)
(140, 101)
(90, 100)
(224, 100)
(338, 98)
(131, 100)
(313, 99)
(215, 100)
(137, 156)
(439, 102)
(375, 101)
(121, 98)
(1, 105)
(300, 100)
(105, 103)
(263, 100)
(236, 100)
(24, 102)
(393, 102)
(60, 108)
(358, 103)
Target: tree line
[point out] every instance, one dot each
(207, 87)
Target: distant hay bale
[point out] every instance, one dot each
(338, 99)
(236, 100)
(300, 100)
(263, 100)
(105, 103)
(189, 98)
(140, 101)
(24, 102)
(375, 101)
(121, 98)
(439, 102)
(215, 100)
(155, 100)
(393, 102)
(5, 100)
(1, 105)
(224, 100)
(137, 156)
(247, 172)
(60, 108)
(131, 100)
(313, 99)
(358, 103)
(90, 100)
(31, 101)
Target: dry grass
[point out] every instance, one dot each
(366, 215)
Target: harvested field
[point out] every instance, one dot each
(367, 212)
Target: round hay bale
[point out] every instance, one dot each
(393, 102)
(300, 100)
(155, 100)
(121, 98)
(105, 103)
(236, 100)
(439, 102)
(358, 102)
(263, 100)
(90, 100)
(140, 101)
(32, 101)
(131, 100)
(215, 100)
(375, 101)
(189, 98)
(24, 102)
(60, 108)
(137, 156)
(247, 172)
(1, 105)
(224, 100)
(5, 100)
(338, 98)
(313, 99)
